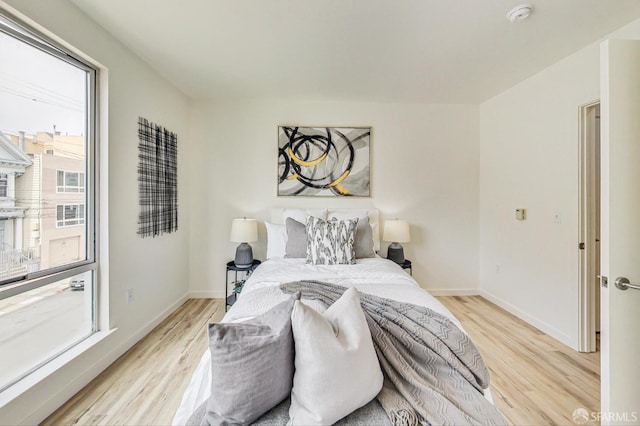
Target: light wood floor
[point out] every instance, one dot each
(145, 385)
(535, 379)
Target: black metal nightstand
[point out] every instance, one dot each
(407, 265)
(231, 266)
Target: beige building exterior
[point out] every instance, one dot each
(51, 192)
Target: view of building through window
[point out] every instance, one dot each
(44, 202)
(43, 209)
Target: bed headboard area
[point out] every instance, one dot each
(278, 213)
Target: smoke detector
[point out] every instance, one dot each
(519, 13)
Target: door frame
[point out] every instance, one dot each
(587, 226)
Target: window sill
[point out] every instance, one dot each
(51, 367)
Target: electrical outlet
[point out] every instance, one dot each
(130, 296)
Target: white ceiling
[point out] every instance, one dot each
(428, 51)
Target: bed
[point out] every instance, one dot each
(372, 277)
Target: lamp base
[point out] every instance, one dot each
(395, 252)
(244, 256)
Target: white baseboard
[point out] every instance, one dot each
(530, 319)
(205, 295)
(75, 384)
(453, 292)
(148, 327)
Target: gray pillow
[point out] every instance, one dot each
(252, 366)
(296, 239)
(363, 243)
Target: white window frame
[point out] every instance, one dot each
(78, 189)
(16, 27)
(66, 222)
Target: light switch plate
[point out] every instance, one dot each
(521, 214)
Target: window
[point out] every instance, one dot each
(70, 181)
(48, 258)
(69, 215)
(4, 181)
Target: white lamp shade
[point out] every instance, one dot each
(396, 231)
(244, 230)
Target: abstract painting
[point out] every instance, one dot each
(157, 179)
(324, 161)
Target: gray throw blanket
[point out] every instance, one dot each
(433, 372)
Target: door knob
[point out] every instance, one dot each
(623, 283)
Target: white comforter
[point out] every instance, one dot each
(376, 276)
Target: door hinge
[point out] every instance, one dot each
(581, 246)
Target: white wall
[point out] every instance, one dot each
(529, 159)
(156, 269)
(424, 169)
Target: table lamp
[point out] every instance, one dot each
(244, 231)
(396, 231)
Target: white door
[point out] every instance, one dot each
(620, 246)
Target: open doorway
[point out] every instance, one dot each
(589, 227)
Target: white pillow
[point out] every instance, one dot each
(346, 214)
(337, 370)
(276, 240)
(301, 214)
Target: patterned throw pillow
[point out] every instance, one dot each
(330, 243)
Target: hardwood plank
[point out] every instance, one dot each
(535, 379)
(145, 385)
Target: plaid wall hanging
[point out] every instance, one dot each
(157, 179)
